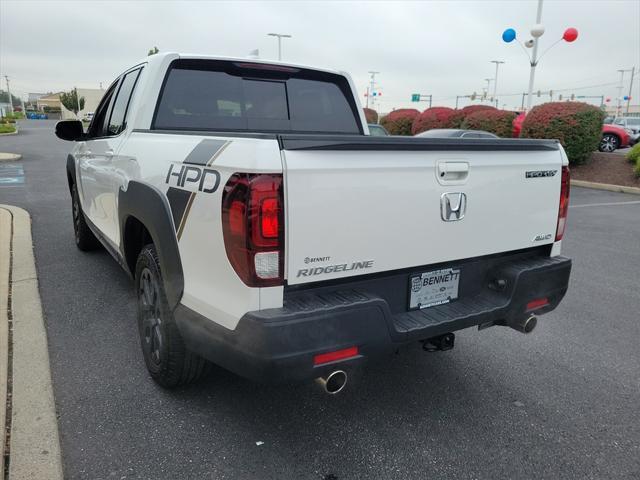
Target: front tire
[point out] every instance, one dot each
(168, 360)
(84, 237)
(609, 143)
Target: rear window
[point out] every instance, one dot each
(232, 96)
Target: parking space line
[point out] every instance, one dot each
(607, 204)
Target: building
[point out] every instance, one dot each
(92, 97)
(634, 110)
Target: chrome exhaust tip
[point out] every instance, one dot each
(334, 382)
(525, 325)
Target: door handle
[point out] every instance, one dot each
(108, 153)
(453, 171)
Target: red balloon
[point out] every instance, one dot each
(570, 34)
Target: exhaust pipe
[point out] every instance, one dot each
(334, 382)
(525, 325)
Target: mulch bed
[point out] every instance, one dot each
(611, 168)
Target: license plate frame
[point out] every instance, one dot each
(432, 288)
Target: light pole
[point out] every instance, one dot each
(495, 81)
(509, 35)
(620, 87)
(633, 71)
(280, 37)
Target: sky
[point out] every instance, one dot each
(439, 48)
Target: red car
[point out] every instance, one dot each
(613, 136)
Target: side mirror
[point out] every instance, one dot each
(70, 130)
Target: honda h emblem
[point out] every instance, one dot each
(453, 206)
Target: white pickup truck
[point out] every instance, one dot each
(267, 232)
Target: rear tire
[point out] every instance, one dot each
(168, 360)
(84, 237)
(609, 143)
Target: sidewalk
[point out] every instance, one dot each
(32, 442)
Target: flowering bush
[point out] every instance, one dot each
(435, 117)
(499, 122)
(371, 115)
(578, 127)
(399, 122)
(459, 115)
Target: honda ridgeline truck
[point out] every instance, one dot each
(267, 232)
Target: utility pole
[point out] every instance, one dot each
(633, 71)
(495, 81)
(534, 57)
(9, 92)
(280, 37)
(372, 85)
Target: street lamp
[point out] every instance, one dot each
(509, 35)
(495, 81)
(280, 37)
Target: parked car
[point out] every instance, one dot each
(376, 130)
(455, 133)
(613, 137)
(283, 243)
(631, 125)
(87, 117)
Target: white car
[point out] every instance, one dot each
(267, 232)
(87, 117)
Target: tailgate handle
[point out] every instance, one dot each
(453, 171)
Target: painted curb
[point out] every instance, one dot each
(9, 157)
(34, 441)
(605, 186)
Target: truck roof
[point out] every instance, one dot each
(159, 57)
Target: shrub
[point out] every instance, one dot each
(499, 122)
(399, 122)
(636, 170)
(459, 115)
(634, 155)
(371, 115)
(578, 127)
(435, 117)
(7, 128)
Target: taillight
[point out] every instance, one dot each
(253, 227)
(563, 208)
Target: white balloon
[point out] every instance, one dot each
(529, 43)
(537, 30)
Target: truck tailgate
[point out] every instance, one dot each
(358, 205)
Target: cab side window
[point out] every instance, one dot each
(97, 127)
(117, 120)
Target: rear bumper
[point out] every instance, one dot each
(277, 345)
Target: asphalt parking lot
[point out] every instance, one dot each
(563, 402)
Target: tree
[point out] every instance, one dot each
(71, 102)
(4, 98)
(153, 51)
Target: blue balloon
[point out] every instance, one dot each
(625, 98)
(509, 35)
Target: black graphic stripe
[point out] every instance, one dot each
(204, 151)
(178, 201)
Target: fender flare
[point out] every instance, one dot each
(149, 205)
(71, 170)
